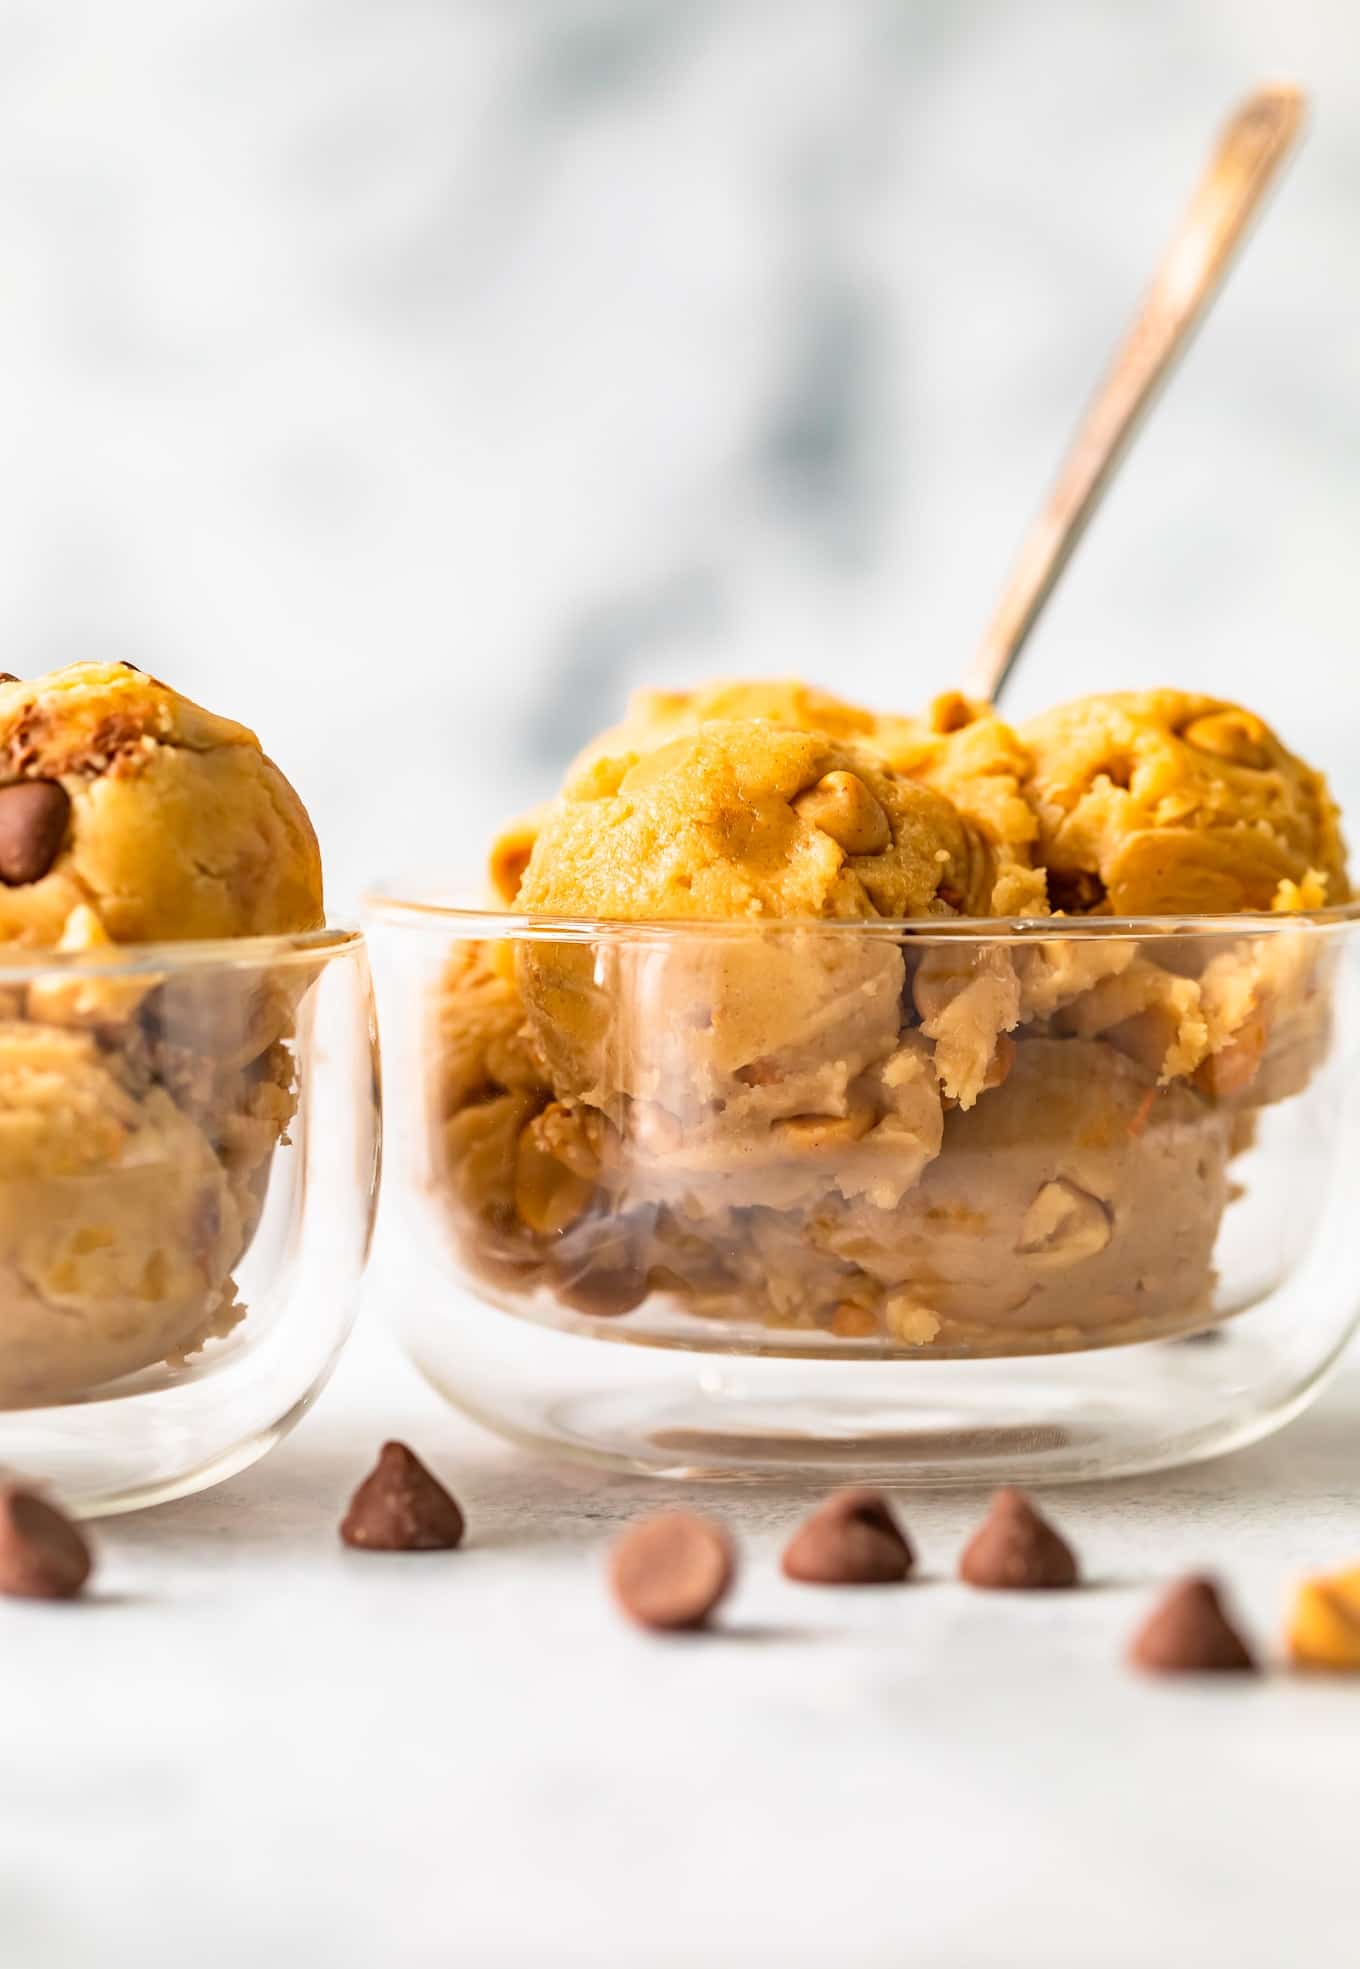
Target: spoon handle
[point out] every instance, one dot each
(1250, 151)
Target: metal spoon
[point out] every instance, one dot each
(1253, 146)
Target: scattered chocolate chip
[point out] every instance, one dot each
(670, 1571)
(43, 1556)
(8, 677)
(33, 815)
(1016, 1550)
(1188, 1633)
(852, 1539)
(400, 1507)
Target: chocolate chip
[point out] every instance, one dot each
(8, 677)
(33, 816)
(43, 1556)
(670, 1571)
(852, 1539)
(1016, 1550)
(1189, 1633)
(600, 1274)
(400, 1507)
(1075, 891)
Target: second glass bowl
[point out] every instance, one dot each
(918, 1201)
(188, 1170)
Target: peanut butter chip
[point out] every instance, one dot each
(1232, 1069)
(43, 1556)
(1064, 1223)
(548, 1195)
(841, 805)
(1015, 1550)
(815, 1133)
(33, 816)
(1233, 735)
(670, 1571)
(1324, 1628)
(1189, 1633)
(852, 1539)
(400, 1507)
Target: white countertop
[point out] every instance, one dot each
(253, 1746)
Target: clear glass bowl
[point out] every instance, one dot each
(926, 1201)
(188, 1171)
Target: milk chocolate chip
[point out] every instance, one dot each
(43, 1556)
(670, 1571)
(33, 816)
(1189, 1633)
(601, 1274)
(1016, 1550)
(400, 1507)
(852, 1539)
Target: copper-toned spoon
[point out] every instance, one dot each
(1253, 146)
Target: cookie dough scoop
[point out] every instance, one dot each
(139, 1112)
(770, 1040)
(121, 797)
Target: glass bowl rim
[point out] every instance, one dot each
(304, 948)
(438, 913)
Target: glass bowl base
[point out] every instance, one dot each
(102, 1458)
(1066, 1418)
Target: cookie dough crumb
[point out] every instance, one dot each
(909, 1321)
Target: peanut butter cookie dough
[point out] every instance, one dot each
(961, 749)
(781, 1126)
(746, 819)
(162, 820)
(118, 1223)
(1077, 1199)
(138, 1117)
(1163, 803)
(748, 1034)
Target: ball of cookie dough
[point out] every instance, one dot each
(743, 824)
(118, 1225)
(747, 819)
(123, 799)
(961, 749)
(1076, 1204)
(1165, 803)
(654, 718)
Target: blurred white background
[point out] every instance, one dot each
(409, 378)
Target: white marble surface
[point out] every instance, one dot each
(410, 380)
(253, 1746)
